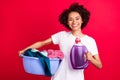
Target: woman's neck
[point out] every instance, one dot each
(77, 33)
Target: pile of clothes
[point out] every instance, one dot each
(44, 57)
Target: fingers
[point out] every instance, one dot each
(20, 52)
(89, 56)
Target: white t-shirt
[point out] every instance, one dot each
(66, 40)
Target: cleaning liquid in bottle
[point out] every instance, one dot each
(78, 55)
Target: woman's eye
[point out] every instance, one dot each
(77, 18)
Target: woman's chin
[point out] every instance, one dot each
(75, 28)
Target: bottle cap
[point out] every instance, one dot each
(77, 40)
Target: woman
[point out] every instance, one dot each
(75, 19)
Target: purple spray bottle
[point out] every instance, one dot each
(78, 55)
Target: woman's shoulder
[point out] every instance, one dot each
(89, 41)
(89, 38)
(61, 34)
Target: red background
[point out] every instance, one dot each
(23, 22)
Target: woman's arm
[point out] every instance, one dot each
(94, 59)
(37, 45)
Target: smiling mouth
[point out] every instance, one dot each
(75, 25)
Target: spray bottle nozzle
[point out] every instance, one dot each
(77, 40)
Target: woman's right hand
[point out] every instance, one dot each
(20, 52)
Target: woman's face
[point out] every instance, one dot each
(74, 21)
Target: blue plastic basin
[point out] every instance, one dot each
(32, 65)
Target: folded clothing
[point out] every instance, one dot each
(55, 54)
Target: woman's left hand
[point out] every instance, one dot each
(94, 59)
(89, 56)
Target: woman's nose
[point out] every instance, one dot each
(74, 21)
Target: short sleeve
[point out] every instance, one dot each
(90, 43)
(93, 47)
(57, 37)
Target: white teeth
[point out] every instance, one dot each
(74, 25)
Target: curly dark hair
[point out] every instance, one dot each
(84, 13)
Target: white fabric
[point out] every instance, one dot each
(66, 40)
